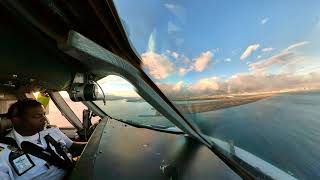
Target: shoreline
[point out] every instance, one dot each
(220, 103)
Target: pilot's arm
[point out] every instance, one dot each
(75, 148)
(5, 170)
(4, 174)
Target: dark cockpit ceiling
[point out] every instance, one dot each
(31, 32)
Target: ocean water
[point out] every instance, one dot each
(284, 130)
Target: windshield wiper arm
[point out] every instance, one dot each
(151, 127)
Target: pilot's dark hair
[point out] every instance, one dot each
(18, 108)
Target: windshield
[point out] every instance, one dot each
(122, 102)
(246, 72)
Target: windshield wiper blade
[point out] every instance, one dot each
(151, 127)
(158, 126)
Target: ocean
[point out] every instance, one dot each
(283, 130)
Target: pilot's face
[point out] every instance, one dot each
(34, 118)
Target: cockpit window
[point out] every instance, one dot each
(55, 116)
(122, 102)
(246, 72)
(77, 107)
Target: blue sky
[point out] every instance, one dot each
(171, 36)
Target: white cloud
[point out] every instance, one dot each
(282, 58)
(179, 11)
(186, 60)
(173, 27)
(288, 69)
(227, 60)
(235, 51)
(198, 64)
(182, 71)
(113, 79)
(175, 54)
(158, 65)
(202, 61)
(178, 86)
(118, 86)
(170, 6)
(264, 20)
(267, 49)
(259, 57)
(173, 90)
(206, 84)
(243, 82)
(152, 41)
(264, 82)
(250, 49)
(296, 45)
(216, 50)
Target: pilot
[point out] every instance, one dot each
(31, 150)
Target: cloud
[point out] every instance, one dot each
(113, 79)
(173, 90)
(296, 45)
(243, 83)
(179, 11)
(158, 65)
(264, 20)
(235, 51)
(286, 70)
(152, 41)
(227, 60)
(274, 82)
(250, 49)
(281, 58)
(183, 71)
(216, 50)
(186, 60)
(173, 28)
(178, 86)
(117, 86)
(170, 6)
(267, 49)
(173, 54)
(201, 62)
(206, 84)
(197, 64)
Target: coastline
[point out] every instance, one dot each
(220, 103)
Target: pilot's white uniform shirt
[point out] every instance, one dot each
(41, 170)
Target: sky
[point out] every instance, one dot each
(217, 47)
